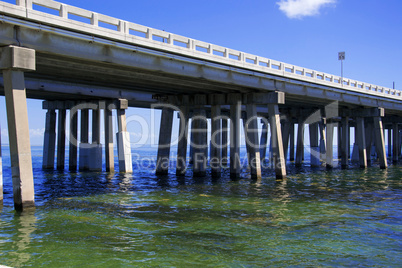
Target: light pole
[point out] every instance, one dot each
(341, 57)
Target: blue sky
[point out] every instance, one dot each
(308, 33)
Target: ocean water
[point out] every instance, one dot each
(314, 218)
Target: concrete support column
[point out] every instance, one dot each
(84, 141)
(224, 141)
(235, 163)
(314, 148)
(379, 142)
(361, 141)
(390, 140)
(95, 160)
(61, 139)
(395, 142)
(340, 140)
(200, 132)
(123, 142)
(165, 137)
(369, 141)
(300, 143)
(49, 143)
(73, 150)
(355, 152)
(13, 62)
(344, 142)
(330, 145)
(109, 150)
(292, 142)
(191, 142)
(348, 145)
(286, 133)
(1, 174)
(252, 141)
(181, 164)
(323, 141)
(264, 140)
(216, 141)
(276, 141)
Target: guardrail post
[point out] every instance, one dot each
(63, 11)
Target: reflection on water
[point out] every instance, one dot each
(20, 228)
(314, 218)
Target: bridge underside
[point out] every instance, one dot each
(69, 68)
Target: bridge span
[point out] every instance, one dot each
(82, 61)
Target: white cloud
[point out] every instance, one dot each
(297, 9)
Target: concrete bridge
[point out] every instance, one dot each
(82, 61)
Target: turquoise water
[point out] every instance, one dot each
(314, 218)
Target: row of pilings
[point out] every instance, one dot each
(226, 111)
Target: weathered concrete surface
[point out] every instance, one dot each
(13, 61)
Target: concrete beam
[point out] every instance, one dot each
(17, 58)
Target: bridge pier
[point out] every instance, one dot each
(225, 142)
(264, 139)
(395, 142)
(123, 139)
(323, 141)
(344, 141)
(330, 145)
(216, 141)
(1, 173)
(165, 136)
(49, 143)
(181, 164)
(361, 141)
(200, 141)
(235, 165)
(300, 142)
(314, 148)
(276, 141)
(14, 61)
(61, 138)
(109, 149)
(90, 154)
(379, 141)
(251, 134)
(95, 161)
(286, 126)
(84, 141)
(73, 149)
(292, 142)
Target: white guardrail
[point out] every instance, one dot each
(54, 13)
